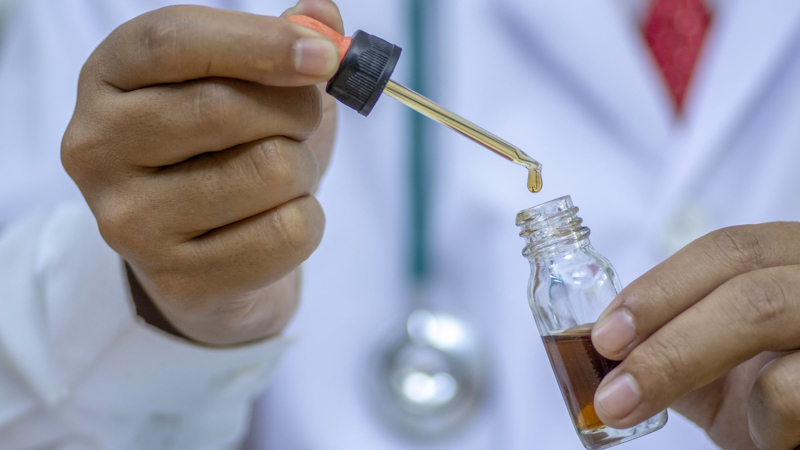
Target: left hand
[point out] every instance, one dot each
(714, 333)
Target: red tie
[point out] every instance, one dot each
(675, 30)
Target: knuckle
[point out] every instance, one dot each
(296, 228)
(159, 36)
(114, 224)
(75, 145)
(308, 111)
(665, 357)
(779, 389)
(649, 290)
(79, 147)
(273, 164)
(89, 157)
(760, 298)
(663, 287)
(211, 104)
(120, 225)
(740, 247)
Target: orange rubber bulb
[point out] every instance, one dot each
(342, 42)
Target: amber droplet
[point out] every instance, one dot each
(534, 180)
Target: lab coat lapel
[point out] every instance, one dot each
(598, 52)
(742, 54)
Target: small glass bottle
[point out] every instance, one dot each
(570, 286)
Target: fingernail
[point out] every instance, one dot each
(618, 398)
(315, 56)
(614, 333)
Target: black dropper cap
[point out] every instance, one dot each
(365, 69)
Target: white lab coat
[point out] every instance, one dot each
(570, 84)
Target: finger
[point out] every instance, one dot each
(263, 314)
(754, 312)
(688, 276)
(177, 121)
(325, 11)
(180, 43)
(322, 140)
(720, 406)
(774, 408)
(217, 189)
(238, 259)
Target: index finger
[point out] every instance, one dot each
(749, 314)
(180, 43)
(673, 286)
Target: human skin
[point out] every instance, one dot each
(712, 332)
(198, 140)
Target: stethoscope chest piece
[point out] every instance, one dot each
(428, 376)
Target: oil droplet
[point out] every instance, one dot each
(534, 180)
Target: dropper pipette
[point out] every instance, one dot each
(477, 134)
(367, 63)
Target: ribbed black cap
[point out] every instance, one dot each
(364, 72)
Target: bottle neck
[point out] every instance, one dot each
(551, 228)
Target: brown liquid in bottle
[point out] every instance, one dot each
(579, 370)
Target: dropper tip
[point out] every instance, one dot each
(535, 180)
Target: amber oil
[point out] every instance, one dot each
(579, 369)
(468, 129)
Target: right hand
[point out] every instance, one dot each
(198, 140)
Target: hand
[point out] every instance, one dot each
(714, 332)
(197, 140)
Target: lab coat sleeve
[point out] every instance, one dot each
(70, 340)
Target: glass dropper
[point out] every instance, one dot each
(466, 128)
(367, 63)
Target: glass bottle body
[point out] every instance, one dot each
(570, 286)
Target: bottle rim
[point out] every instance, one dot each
(551, 226)
(545, 211)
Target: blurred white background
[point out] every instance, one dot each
(5, 6)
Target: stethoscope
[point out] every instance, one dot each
(428, 374)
